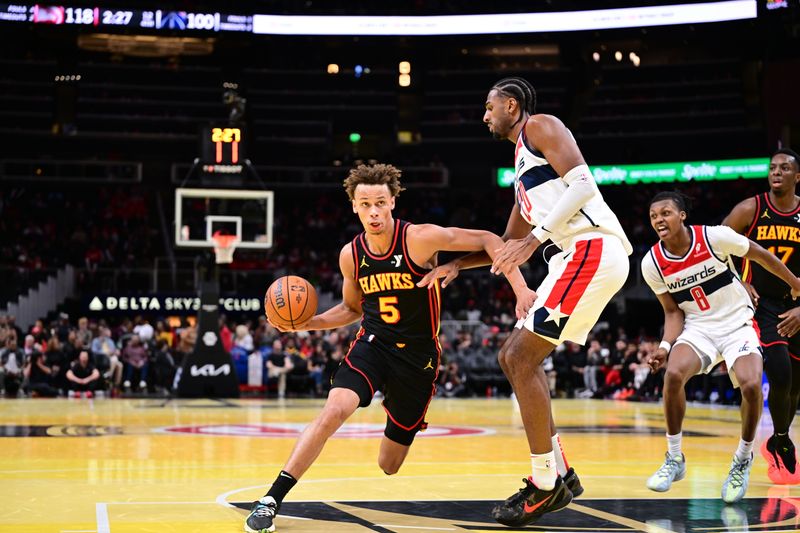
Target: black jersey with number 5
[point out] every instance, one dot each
(779, 233)
(395, 309)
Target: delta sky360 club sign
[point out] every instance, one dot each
(166, 303)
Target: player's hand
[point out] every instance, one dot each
(752, 292)
(790, 325)
(796, 292)
(525, 299)
(297, 327)
(513, 253)
(448, 271)
(657, 359)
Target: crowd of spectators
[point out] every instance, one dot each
(95, 229)
(143, 353)
(132, 357)
(86, 357)
(112, 241)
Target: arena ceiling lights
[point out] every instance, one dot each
(600, 19)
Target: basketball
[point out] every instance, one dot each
(290, 301)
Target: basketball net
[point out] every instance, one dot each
(224, 246)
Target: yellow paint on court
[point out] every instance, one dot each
(130, 476)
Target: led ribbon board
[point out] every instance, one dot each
(167, 20)
(598, 19)
(726, 169)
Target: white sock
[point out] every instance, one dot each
(544, 470)
(744, 450)
(674, 444)
(561, 460)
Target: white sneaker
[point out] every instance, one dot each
(143, 384)
(673, 469)
(735, 484)
(126, 384)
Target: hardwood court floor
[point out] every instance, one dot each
(69, 466)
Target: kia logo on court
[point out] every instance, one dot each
(293, 430)
(210, 371)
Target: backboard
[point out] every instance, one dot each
(200, 213)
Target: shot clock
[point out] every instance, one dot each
(223, 149)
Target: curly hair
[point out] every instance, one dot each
(378, 174)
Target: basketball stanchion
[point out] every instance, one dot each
(208, 371)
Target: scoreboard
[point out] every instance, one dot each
(155, 19)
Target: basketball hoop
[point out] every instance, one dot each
(224, 246)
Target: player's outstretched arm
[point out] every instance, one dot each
(349, 309)
(515, 229)
(673, 325)
(426, 240)
(559, 148)
(775, 266)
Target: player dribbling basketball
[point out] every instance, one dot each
(396, 350)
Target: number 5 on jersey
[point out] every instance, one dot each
(388, 308)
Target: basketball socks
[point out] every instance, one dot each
(744, 450)
(544, 470)
(674, 444)
(281, 486)
(561, 460)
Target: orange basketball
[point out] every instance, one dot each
(290, 301)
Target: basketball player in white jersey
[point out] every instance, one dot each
(708, 318)
(556, 200)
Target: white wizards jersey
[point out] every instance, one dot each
(701, 282)
(538, 187)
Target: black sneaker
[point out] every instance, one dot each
(529, 504)
(573, 483)
(784, 447)
(782, 467)
(261, 515)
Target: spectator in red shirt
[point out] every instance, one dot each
(225, 334)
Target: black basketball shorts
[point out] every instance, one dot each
(406, 376)
(767, 321)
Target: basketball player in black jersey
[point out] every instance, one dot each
(772, 220)
(396, 350)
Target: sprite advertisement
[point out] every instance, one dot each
(726, 169)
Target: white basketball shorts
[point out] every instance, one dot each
(580, 282)
(712, 349)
